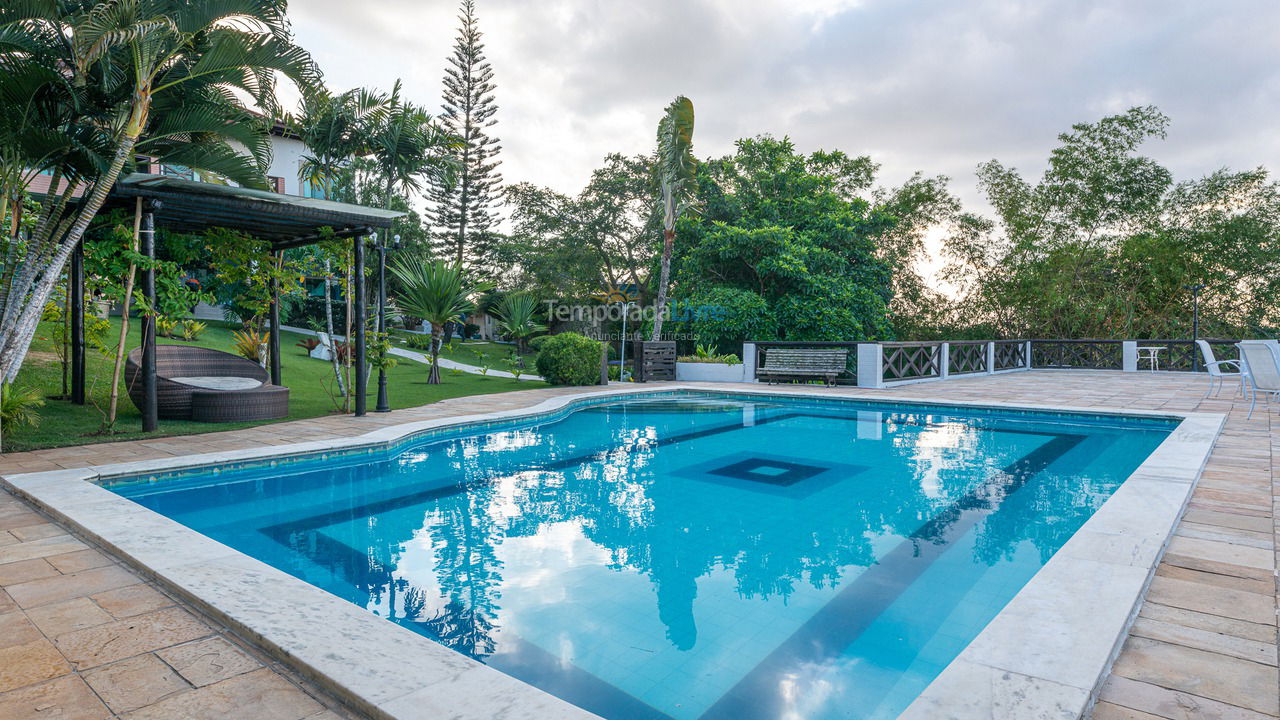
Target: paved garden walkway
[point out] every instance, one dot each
(83, 636)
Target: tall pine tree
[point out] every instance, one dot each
(466, 210)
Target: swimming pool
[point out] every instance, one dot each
(688, 556)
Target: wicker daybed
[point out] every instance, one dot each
(195, 383)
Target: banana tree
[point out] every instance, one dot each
(675, 165)
(437, 292)
(93, 85)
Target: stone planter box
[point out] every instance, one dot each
(710, 372)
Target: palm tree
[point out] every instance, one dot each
(435, 291)
(86, 87)
(408, 147)
(675, 176)
(518, 318)
(333, 128)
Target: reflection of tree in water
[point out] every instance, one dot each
(465, 534)
(653, 528)
(1046, 512)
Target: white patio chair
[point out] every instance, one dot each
(1263, 370)
(1215, 368)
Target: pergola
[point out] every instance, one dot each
(284, 221)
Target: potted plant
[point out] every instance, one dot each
(707, 364)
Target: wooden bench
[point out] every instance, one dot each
(803, 364)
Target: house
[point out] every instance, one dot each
(284, 174)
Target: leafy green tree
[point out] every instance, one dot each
(574, 246)
(783, 227)
(726, 316)
(675, 168)
(437, 292)
(1106, 243)
(86, 87)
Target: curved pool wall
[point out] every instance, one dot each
(692, 556)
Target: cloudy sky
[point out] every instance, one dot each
(930, 85)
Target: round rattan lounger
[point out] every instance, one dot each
(224, 387)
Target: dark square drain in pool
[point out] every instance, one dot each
(780, 475)
(765, 470)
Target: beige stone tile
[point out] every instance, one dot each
(1212, 600)
(120, 639)
(132, 600)
(1212, 623)
(1165, 703)
(25, 571)
(1211, 675)
(67, 616)
(1230, 520)
(19, 517)
(44, 547)
(7, 604)
(30, 663)
(135, 682)
(16, 629)
(262, 695)
(64, 587)
(1259, 652)
(1258, 587)
(1217, 568)
(73, 562)
(326, 715)
(1107, 711)
(37, 532)
(66, 698)
(208, 661)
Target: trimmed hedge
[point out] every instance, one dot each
(569, 359)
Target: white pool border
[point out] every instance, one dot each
(1044, 655)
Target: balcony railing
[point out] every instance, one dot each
(884, 364)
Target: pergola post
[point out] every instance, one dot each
(147, 242)
(362, 375)
(75, 307)
(273, 334)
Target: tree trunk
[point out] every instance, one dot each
(437, 335)
(32, 293)
(328, 327)
(346, 340)
(124, 322)
(668, 244)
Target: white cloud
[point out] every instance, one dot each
(930, 85)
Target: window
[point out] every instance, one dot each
(178, 171)
(313, 190)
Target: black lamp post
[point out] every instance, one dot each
(1195, 325)
(384, 405)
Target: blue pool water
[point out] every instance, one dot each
(694, 556)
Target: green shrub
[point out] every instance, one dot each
(418, 341)
(18, 407)
(535, 344)
(569, 359)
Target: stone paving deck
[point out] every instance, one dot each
(83, 636)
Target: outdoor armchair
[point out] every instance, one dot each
(1263, 370)
(1215, 368)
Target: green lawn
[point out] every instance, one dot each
(63, 423)
(476, 352)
